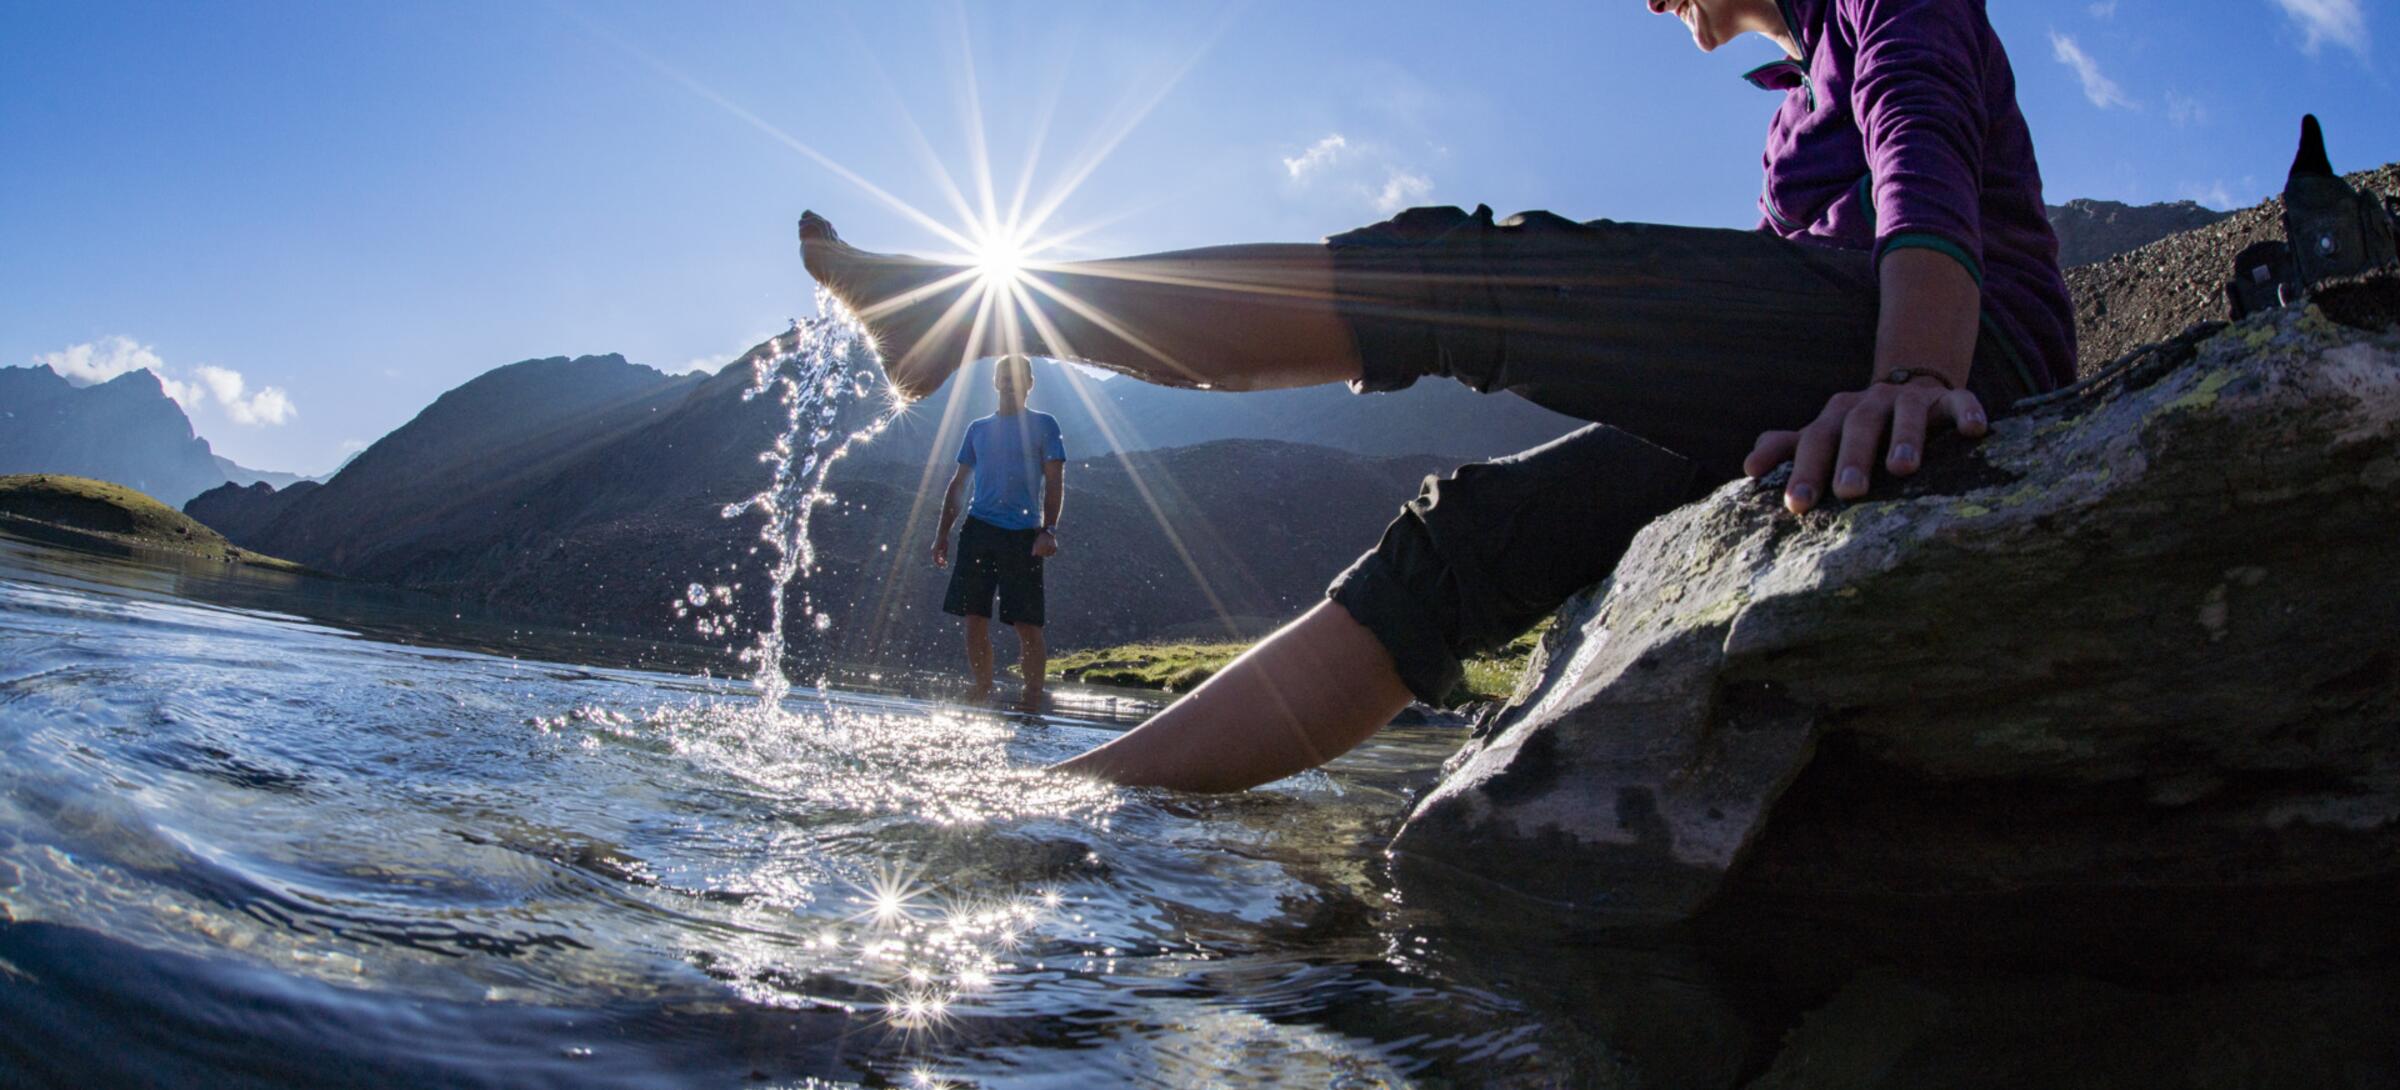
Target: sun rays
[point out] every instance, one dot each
(1005, 248)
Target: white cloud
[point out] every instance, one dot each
(101, 360)
(2097, 87)
(2185, 111)
(105, 359)
(225, 383)
(1358, 173)
(2342, 22)
(2104, 9)
(1319, 155)
(1402, 189)
(268, 406)
(2213, 194)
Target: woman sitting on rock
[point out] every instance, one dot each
(1903, 277)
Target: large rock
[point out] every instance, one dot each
(2138, 642)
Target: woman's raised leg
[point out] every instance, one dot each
(1252, 317)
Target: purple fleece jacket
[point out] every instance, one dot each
(1901, 129)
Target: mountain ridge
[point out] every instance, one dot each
(616, 476)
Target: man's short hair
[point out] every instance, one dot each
(1017, 362)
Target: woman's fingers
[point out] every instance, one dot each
(1773, 449)
(1908, 434)
(1862, 436)
(1812, 463)
(1965, 411)
(1840, 446)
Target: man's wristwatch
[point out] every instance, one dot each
(1050, 530)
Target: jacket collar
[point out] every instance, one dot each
(1804, 17)
(1787, 74)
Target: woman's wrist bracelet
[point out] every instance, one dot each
(1902, 376)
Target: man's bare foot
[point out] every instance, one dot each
(918, 312)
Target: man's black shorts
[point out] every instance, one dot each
(990, 558)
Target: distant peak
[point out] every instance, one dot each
(140, 378)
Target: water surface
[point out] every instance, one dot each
(242, 846)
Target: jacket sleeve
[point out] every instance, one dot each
(1918, 97)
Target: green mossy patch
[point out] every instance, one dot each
(81, 512)
(1173, 667)
(1181, 667)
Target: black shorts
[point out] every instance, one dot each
(990, 559)
(1682, 344)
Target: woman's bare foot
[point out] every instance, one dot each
(918, 312)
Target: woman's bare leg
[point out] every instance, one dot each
(1252, 317)
(1302, 697)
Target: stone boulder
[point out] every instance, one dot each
(2141, 640)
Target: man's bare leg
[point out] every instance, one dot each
(1033, 659)
(979, 658)
(1253, 317)
(1305, 695)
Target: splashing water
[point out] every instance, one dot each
(815, 369)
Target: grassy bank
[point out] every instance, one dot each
(1180, 667)
(79, 512)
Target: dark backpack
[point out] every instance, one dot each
(2330, 230)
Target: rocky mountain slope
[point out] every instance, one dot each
(467, 461)
(126, 430)
(2151, 293)
(591, 490)
(243, 511)
(2091, 230)
(237, 473)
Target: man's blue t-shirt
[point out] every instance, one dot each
(1007, 452)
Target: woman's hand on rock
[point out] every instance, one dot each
(1840, 446)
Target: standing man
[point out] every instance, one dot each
(1006, 537)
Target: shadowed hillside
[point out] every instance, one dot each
(2152, 293)
(604, 519)
(125, 430)
(468, 460)
(591, 491)
(2091, 231)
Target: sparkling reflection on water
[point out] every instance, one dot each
(240, 847)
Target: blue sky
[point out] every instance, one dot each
(314, 218)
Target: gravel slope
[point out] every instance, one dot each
(2152, 293)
